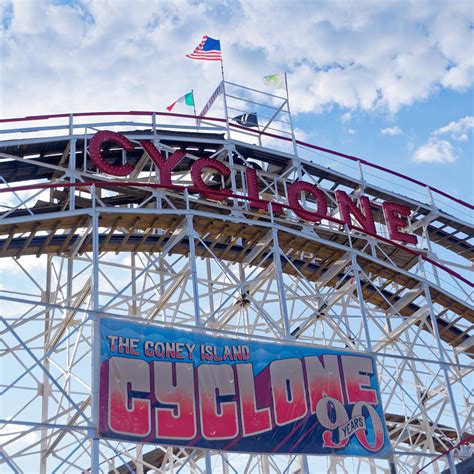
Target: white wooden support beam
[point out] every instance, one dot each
(334, 269)
(404, 300)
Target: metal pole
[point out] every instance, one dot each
(153, 124)
(391, 465)
(229, 150)
(192, 259)
(194, 108)
(45, 386)
(277, 253)
(72, 163)
(296, 162)
(6, 459)
(72, 175)
(226, 114)
(197, 311)
(452, 466)
(363, 311)
(280, 283)
(293, 139)
(139, 461)
(443, 364)
(96, 336)
(355, 270)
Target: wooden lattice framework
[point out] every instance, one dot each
(83, 244)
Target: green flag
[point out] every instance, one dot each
(187, 99)
(274, 80)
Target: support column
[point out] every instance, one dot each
(45, 386)
(363, 311)
(139, 460)
(72, 174)
(280, 283)
(443, 364)
(225, 464)
(132, 308)
(277, 254)
(192, 262)
(197, 312)
(96, 337)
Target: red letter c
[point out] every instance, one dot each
(95, 152)
(199, 183)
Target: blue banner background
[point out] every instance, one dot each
(281, 438)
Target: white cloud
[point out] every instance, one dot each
(92, 55)
(12, 266)
(346, 117)
(9, 200)
(351, 131)
(301, 135)
(392, 131)
(439, 149)
(457, 130)
(435, 151)
(10, 432)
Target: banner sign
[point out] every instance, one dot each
(219, 90)
(166, 386)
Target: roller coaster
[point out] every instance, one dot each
(232, 249)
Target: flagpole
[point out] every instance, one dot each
(225, 99)
(194, 108)
(229, 152)
(304, 459)
(295, 149)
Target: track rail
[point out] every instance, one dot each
(137, 184)
(26, 237)
(142, 250)
(247, 130)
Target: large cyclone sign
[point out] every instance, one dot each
(177, 387)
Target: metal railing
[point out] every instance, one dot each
(216, 120)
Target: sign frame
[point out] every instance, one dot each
(237, 394)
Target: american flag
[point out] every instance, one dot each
(208, 49)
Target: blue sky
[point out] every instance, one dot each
(391, 82)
